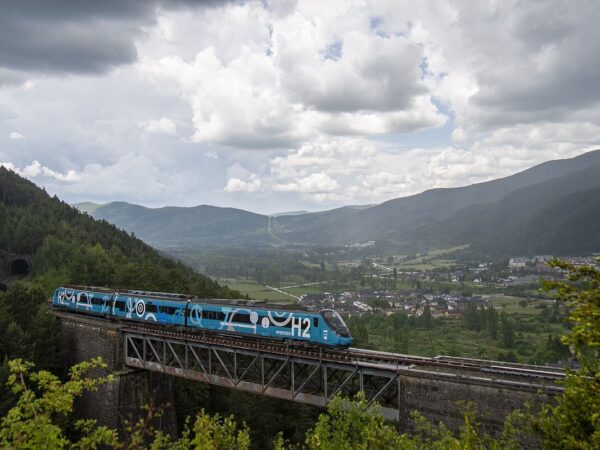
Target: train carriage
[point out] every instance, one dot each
(242, 318)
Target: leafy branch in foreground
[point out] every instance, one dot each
(574, 422)
(39, 418)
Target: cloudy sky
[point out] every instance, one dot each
(286, 105)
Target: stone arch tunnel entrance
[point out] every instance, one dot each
(19, 267)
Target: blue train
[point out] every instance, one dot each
(239, 318)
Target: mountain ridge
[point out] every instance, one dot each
(441, 216)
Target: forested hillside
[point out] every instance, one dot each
(71, 247)
(197, 226)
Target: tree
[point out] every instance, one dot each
(574, 423)
(43, 404)
(426, 318)
(491, 322)
(507, 330)
(472, 317)
(353, 425)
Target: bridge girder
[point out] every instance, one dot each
(287, 377)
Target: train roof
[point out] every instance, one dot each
(216, 301)
(252, 304)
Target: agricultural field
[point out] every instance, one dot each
(519, 306)
(433, 259)
(258, 291)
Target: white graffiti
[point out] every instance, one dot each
(195, 313)
(66, 297)
(129, 308)
(280, 315)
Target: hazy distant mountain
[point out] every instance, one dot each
(301, 213)
(289, 213)
(549, 208)
(87, 207)
(182, 227)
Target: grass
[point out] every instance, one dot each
(258, 291)
(510, 305)
(433, 259)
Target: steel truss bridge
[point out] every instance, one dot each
(315, 375)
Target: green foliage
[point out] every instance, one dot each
(43, 413)
(357, 424)
(38, 418)
(507, 331)
(353, 424)
(206, 433)
(574, 423)
(26, 329)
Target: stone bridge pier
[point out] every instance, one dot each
(123, 401)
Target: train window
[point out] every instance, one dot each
(213, 315)
(167, 309)
(151, 308)
(120, 305)
(241, 318)
(315, 322)
(97, 301)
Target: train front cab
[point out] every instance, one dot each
(341, 332)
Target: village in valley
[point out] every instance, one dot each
(445, 292)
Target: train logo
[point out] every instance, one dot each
(140, 308)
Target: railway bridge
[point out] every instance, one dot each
(145, 359)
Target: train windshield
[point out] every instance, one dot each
(336, 323)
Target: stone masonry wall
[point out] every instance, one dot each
(123, 400)
(444, 401)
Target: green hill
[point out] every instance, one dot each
(559, 216)
(184, 227)
(71, 247)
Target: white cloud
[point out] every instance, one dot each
(354, 170)
(298, 77)
(236, 185)
(315, 183)
(162, 125)
(35, 169)
(241, 180)
(340, 97)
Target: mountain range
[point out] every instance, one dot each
(552, 208)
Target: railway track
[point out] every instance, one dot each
(496, 369)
